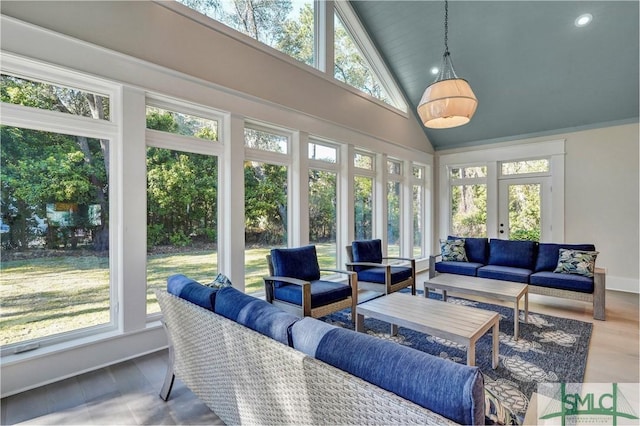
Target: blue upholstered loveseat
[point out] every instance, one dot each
(527, 262)
(251, 362)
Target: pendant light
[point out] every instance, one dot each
(448, 101)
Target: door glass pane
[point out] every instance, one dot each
(182, 206)
(469, 210)
(322, 216)
(524, 212)
(393, 218)
(265, 206)
(363, 207)
(54, 228)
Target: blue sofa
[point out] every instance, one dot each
(527, 262)
(251, 362)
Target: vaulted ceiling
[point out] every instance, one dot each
(532, 69)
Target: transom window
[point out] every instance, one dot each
(524, 167)
(323, 152)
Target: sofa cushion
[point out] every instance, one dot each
(518, 254)
(577, 262)
(188, 289)
(548, 254)
(452, 390)
(322, 293)
(477, 249)
(505, 273)
(562, 281)
(255, 314)
(366, 251)
(378, 275)
(460, 268)
(453, 251)
(299, 262)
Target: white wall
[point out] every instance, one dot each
(601, 194)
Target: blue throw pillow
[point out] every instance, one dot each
(188, 289)
(516, 254)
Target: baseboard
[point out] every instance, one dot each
(628, 285)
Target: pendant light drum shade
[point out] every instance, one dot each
(447, 103)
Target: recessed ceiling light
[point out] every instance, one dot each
(583, 19)
(435, 70)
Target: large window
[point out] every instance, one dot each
(182, 196)
(468, 201)
(417, 208)
(286, 25)
(265, 201)
(394, 204)
(55, 205)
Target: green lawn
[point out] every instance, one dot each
(45, 296)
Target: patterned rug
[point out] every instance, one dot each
(550, 349)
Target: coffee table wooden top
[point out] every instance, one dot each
(498, 289)
(447, 320)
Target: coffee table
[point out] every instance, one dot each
(461, 324)
(493, 289)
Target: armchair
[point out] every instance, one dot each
(365, 258)
(295, 284)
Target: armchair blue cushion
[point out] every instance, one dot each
(299, 262)
(322, 293)
(366, 251)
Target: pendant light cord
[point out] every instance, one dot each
(446, 27)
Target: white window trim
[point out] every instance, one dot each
(491, 157)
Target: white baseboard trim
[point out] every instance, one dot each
(628, 285)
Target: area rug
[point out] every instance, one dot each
(550, 349)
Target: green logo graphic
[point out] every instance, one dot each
(568, 403)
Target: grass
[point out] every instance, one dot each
(46, 296)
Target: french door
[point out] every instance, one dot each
(524, 209)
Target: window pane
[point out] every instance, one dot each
(182, 205)
(468, 172)
(363, 161)
(265, 141)
(265, 203)
(287, 26)
(69, 100)
(181, 124)
(55, 234)
(418, 172)
(322, 216)
(351, 67)
(418, 193)
(469, 210)
(363, 207)
(323, 153)
(393, 218)
(394, 167)
(527, 166)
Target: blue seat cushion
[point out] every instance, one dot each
(378, 275)
(518, 254)
(455, 391)
(255, 314)
(548, 254)
(299, 262)
(366, 251)
(562, 281)
(188, 289)
(460, 268)
(322, 293)
(506, 273)
(477, 249)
